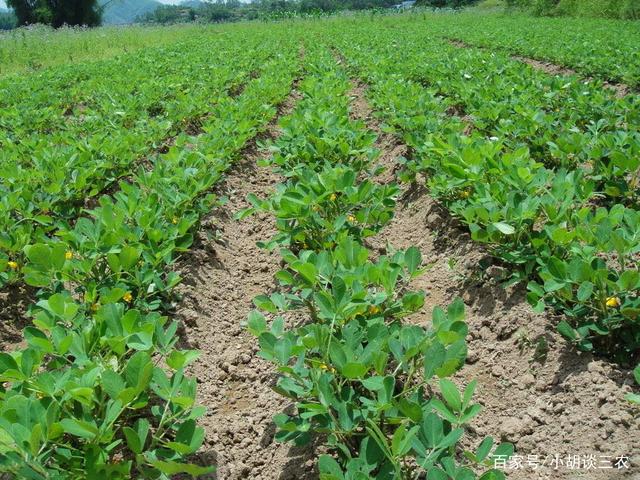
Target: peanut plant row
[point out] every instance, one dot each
(360, 376)
(543, 169)
(61, 147)
(99, 390)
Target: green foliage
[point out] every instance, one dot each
(586, 45)
(35, 48)
(79, 383)
(357, 374)
(234, 10)
(550, 190)
(623, 9)
(101, 136)
(8, 20)
(95, 213)
(87, 396)
(316, 209)
(57, 12)
(446, 3)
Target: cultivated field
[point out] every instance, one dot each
(372, 247)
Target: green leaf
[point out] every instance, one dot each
(504, 228)
(129, 257)
(584, 291)
(484, 449)
(410, 409)
(39, 254)
(178, 359)
(413, 259)
(397, 440)
(307, 271)
(263, 302)
(567, 331)
(79, 428)
(329, 468)
(468, 392)
(374, 383)
(7, 362)
(353, 370)
(451, 394)
(256, 323)
(139, 370)
(112, 383)
(455, 311)
(133, 441)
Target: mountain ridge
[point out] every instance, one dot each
(121, 12)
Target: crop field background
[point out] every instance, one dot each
(375, 246)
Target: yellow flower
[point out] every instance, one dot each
(613, 302)
(68, 255)
(13, 265)
(373, 309)
(174, 220)
(127, 297)
(465, 194)
(332, 197)
(95, 307)
(351, 218)
(324, 366)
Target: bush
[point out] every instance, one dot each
(623, 9)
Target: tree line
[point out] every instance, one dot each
(57, 12)
(89, 12)
(233, 10)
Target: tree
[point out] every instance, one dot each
(57, 12)
(7, 20)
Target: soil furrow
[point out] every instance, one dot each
(15, 301)
(535, 390)
(222, 274)
(389, 146)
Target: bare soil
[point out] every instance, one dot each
(15, 301)
(222, 274)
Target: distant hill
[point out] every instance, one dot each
(126, 11)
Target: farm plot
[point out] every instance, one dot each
(395, 262)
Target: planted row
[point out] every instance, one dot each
(594, 46)
(359, 376)
(48, 179)
(579, 257)
(564, 121)
(99, 391)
